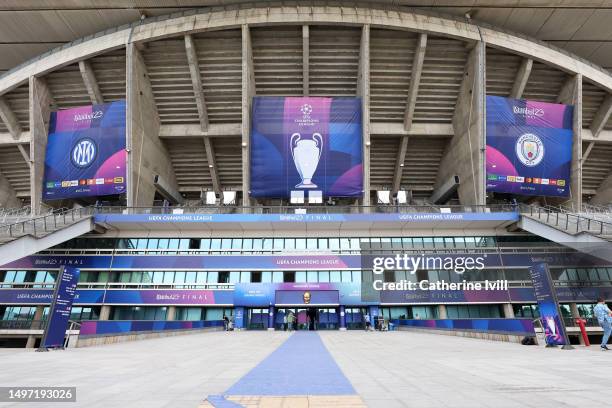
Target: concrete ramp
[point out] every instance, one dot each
(28, 244)
(583, 241)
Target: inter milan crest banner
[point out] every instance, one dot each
(86, 153)
(306, 147)
(529, 147)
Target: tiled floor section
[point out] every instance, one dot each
(300, 373)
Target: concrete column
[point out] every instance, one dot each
(603, 196)
(40, 101)
(508, 311)
(147, 156)
(105, 312)
(38, 315)
(248, 91)
(363, 91)
(571, 94)
(464, 155)
(171, 313)
(442, 312)
(8, 197)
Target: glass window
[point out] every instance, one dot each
(163, 243)
(205, 244)
(323, 243)
(179, 277)
(311, 243)
(346, 276)
(356, 276)
(245, 276)
(215, 244)
(323, 276)
(334, 276)
(257, 243)
(267, 244)
(201, 277)
(334, 244)
(237, 243)
(312, 276)
(247, 244)
(278, 243)
(300, 276)
(300, 244)
(234, 277)
(168, 277)
(289, 243)
(266, 276)
(226, 243)
(152, 243)
(212, 277)
(190, 277)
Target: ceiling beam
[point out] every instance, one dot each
(417, 129)
(522, 76)
(305, 59)
(587, 152)
(8, 139)
(214, 130)
(567, 90)
(89, 78)
(415, 80)
(196, 81)
(13, 126)
(602, 116)
(198, 92)
(399, 164)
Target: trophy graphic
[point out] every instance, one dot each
(306, 154)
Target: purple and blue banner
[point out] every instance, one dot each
(548, 305)
(529, 147)
(61, 307)
(517, 327)
(109, 327)
(86, 154)
(324, 293)
(306, 145)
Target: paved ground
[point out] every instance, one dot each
(397, 369)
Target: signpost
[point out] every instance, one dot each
(550, 315)
(61, 307)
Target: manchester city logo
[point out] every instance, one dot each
(84, 153)
(530, 149)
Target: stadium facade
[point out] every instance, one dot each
(194, 236)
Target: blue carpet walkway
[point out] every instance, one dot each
(300, 366)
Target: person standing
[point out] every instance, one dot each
(367, 321)
(285, 320)
(604, 318)
(226, 323)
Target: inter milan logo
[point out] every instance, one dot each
(84, 153)
(530, 149)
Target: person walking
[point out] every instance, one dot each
(367, 321)
(290, 321)
(604, 318)
(285, 320)
(226, 323)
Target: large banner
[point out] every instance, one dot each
(529, 147)
(311, 146)
(86, 153)
(61, 307)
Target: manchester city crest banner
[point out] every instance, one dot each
(306, 147)
(529, 147)
(86, 152)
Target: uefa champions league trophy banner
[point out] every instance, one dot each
(306, 146)
(61, 307)
(548, 305)
(529, 147)
(86, 153)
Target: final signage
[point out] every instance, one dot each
(306, 147)
(529, 147)
(61, 307)
(86, 153)
(550, 316)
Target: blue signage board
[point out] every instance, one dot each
(61, 307)
(308, 145)
(86, 153)
(529, 147)
(550, 315)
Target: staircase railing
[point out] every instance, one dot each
(45, 223)
(570, 222)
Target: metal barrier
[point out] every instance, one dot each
(45, 223)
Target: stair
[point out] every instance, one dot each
(27, 237)
(575, 230)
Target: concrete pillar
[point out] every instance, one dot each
(105, 312)
(464, 155)
(508, 311)
(442, 312)
(40, 101)
(603, 196)
(171, 313)
(248, 91)
(38, 315)
(147, 156)
(8, 197)
(363, 91)
(571, 94)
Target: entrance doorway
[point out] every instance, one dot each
(307, 318)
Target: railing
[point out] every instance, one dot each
(22, 324)
(567, 221)
(311, 209)
(45, 223)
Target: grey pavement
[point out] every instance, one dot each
(394, 369)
